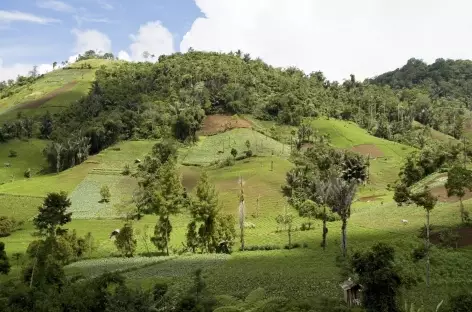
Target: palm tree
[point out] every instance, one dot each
(341, 195)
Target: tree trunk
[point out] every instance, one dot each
(462, 209)
(167, 236)
(325, 229)
(344, 236)
(427, 249)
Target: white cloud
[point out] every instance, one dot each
(55, 5)
(11, 72)
(17, 16)
(91, 40)
(152, 37)
(339, 37)
(105, 5)
(123, 55)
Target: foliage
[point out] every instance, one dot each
(125, 241)
(461, 302)
(459, 179)
(234, 152)
(126, 170)
(53, 214)
(9, 225)
(105, 194)
(4, 262)
(379, 276)
(12, 153)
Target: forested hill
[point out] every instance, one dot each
(450, 79)
(171, 98)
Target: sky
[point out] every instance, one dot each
(338, 37)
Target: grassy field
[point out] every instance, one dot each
(29, 155)
(218, 147)
(47, 90)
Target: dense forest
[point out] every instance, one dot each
(171, 98)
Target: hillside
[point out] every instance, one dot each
(52, 92)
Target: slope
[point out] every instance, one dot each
(53, 91)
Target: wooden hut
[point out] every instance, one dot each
(352, 292)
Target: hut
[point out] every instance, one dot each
(352, 292)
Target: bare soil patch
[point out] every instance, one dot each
(368, 149)
(370, 198)
(464, 237)
(215, 124)
(37, 103)
(441, 193)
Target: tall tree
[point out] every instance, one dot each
(379, 276)
(341, 195)
(168, 198)
(204, 211)
(427, 201)
(125, 241)
(53, 214)
(459, 180)
(4, 263)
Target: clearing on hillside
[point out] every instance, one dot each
(37, 103)
(464, 237)
(214, 124)
(368, 150)
(441, 192)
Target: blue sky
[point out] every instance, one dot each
(33, 42)
(338, 37)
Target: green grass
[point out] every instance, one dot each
(218, 147)
(50, 82)
(19, 207)
(343, 134)
(29, 155)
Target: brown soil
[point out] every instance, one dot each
(465, 237)
(441, 193)
(368, 149)
(214, 124)
(37, 103)
(370, 198)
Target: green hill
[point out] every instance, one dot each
(53, 91)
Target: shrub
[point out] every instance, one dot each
(449, 238)
(8, 226)
(306, 226)
(228, 162)
(260, 247)
(234, 152)
(116, 149)
(461, 302)
(249, 153)
(292, 246)
(422, 232)
(419, 253)
(12, 154)
(27, 173)
(126, 170)
(105, 193)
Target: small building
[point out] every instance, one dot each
(352, 292)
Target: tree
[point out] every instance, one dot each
(234, 152)
(379, 276)
(105, 194)
(341, 195)
(4, 263)
(167, 198)
(248, 145)
(204, 211)
(125, 241)
(53, 214)
(459, 179)
(426, 200)
(54, 64)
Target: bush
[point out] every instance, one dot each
(27, 173)
(449, 238)
(12, 154)
(260, 247)
(228, 162)
(8, 226)
(293, 246)
(306, 226)
(419, 253)
(249, 153)
(422, 232)
(126, 170)
(461, 302)
(105, 193)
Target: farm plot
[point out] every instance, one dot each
(218, 147)
(86, 198)
(19, 207)
(214, 124)
(28, 155)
